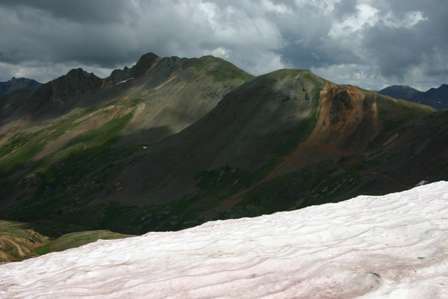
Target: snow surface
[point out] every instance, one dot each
(393, 246)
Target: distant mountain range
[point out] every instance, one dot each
(15, 84)
(172, 142)
(434, 97)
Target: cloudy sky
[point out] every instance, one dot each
(371, 43)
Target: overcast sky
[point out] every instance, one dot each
(371, 43)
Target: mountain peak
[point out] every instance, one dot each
(144, 63)
(400, 87)
(79, 72)
(76, 70)
(434, 97)
(149, 55)
(290, 75)
(77, 81)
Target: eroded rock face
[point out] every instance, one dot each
(348, 117)
(347, 122)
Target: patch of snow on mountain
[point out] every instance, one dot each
(124, 81)
(393, 246)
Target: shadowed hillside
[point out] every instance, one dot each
(182, 154)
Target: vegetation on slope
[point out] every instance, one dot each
(19, 241)
(67, 156)
(149, 161)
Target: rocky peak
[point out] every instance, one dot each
(144, 63)
(78, 73)
(119, 76)
(75, 82)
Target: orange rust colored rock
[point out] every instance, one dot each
(347, 122)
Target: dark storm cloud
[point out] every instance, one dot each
(364, 42)
(423, 48)
(38, 31)
(91, 11)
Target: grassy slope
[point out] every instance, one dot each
(72, 240)
(247, 135)
(219, 183)
(86, 147)
(332, 180)
(69, 180)
(18, 241)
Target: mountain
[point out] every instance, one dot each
(143, 64)
(402, 92)
(75, 82)
(78, 114)
(392, 246)
(438, 96)
(171, 94)
(17, 84)
(48, 96)
(191, 87)
(194, 140)
(434, 97)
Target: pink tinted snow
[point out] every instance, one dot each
(393, 246)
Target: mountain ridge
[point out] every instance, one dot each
(193, 140)
(15, 84)
(434, 97)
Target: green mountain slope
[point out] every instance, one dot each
(166, 96)
(89, 124)
(284, 140)
(188, 141)
(18, 241)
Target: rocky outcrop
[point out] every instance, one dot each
(75, 82)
